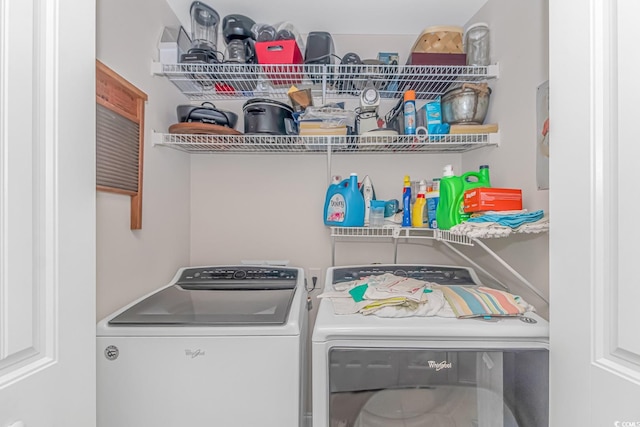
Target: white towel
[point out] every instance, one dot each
(480, 230)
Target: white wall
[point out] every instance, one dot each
(132, 263)
(520, 44)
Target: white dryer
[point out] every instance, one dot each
(217, 346)
(370, 371)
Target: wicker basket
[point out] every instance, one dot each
(441, 39)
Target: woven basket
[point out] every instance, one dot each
(440, 40)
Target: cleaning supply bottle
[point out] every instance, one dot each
(419, 207)
(450, 209)
(433, 197)
(406, 202)
(447, 212)
(368, 194)
(473, 180)
(410, 112)
(484, 174)
(344, 204)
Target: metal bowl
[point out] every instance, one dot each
(467, 104)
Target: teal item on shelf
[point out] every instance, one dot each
(510, 220)
(344, 204)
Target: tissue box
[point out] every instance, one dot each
(492, 199)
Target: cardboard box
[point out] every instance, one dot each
(492, 199)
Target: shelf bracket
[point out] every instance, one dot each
(475, 264)
(510, 269)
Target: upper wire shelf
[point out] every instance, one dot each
(228, 81)
(232, 144)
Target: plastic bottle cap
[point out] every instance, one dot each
(484, 166)
(410, 95)
(447, 171)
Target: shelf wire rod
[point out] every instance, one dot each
(475, 264)
(511, 269)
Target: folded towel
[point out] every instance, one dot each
(482, 301)
(540, 226)
(512, 220)
(481, 230)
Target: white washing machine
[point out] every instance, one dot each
(217, 346)
(370, 371)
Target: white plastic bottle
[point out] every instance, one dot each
(366, 188)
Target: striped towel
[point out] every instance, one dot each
(482, 301)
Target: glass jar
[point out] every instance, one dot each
(477, 44)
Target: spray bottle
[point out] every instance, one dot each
(406, 202)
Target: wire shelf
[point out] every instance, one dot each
(397, 232)
(226, 81)
(228, 144)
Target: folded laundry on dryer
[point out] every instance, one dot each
(412, 297)
(468, 302)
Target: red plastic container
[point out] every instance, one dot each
(285, 52)
(492, 199)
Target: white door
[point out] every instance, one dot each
(47, 213)
(594, 191)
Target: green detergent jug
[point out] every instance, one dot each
(449, 211)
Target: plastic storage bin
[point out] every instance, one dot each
(286, 52)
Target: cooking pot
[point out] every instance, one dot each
(266, 116)
(206, 113)
(466, 104)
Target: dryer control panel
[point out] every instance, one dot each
(443, 275)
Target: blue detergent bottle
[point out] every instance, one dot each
(344, 204)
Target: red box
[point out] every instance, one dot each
(423, 58)
(285, 52)
(492, 199)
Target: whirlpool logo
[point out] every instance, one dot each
(439, 365)
(193, 353)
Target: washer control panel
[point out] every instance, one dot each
(239, 273)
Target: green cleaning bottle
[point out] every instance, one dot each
(448, 211)
(472, 180)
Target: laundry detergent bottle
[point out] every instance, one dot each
(344, 204)
(472, 180)
(419, 207)
(449, 211)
